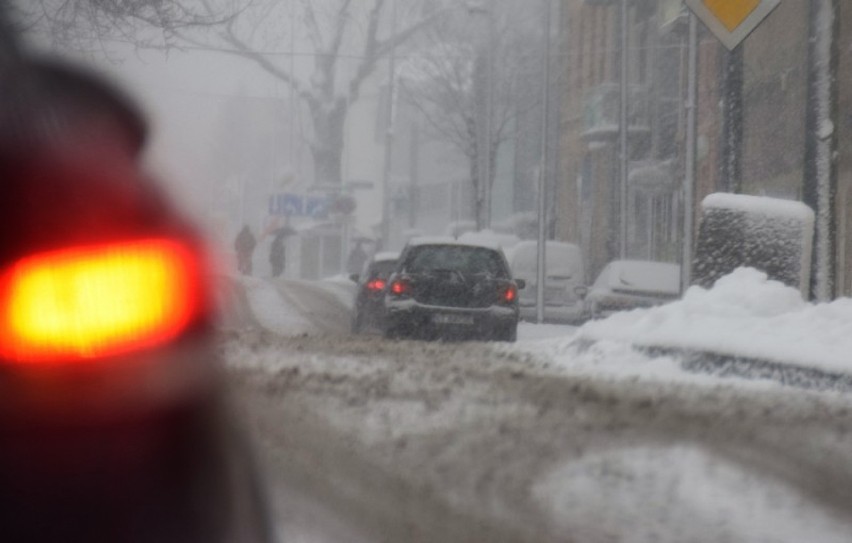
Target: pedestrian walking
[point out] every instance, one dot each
(277, 254)
(356, 260)
(244, 245)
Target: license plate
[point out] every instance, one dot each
(449, 318)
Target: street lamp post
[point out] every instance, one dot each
(690, 159)
(541, 276)
(489, 112)
(485, 112)
(623, 149)
(386, 169)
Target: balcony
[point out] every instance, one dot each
(601, 112)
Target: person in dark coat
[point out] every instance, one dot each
(357, 258)
(244, 245)
(276, 254)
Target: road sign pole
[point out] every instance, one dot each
(820, 179)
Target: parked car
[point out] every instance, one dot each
(444, 288)
(564, 273)
(628, 284)
(369, 301)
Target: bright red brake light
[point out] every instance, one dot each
(510, 294)
(96, 301)
(400, 288)
(376, 284)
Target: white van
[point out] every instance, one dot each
(564, 271)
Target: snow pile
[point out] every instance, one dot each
(288, 308)
(270, 310)
(738, 230)
(619, 491)
(759, 205)
(746, 315)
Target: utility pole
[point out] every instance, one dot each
(820, 182)
(541, 275)
(690, 160)
(386, 170)
(414, 175)
(623, 148)
(489, 113)
(483, 81)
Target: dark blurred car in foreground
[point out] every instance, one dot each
(564, 273)
(443, 288)
(629, 284)
(369, 306)
(114, 425)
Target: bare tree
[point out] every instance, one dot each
(262, 32)
(458, 63)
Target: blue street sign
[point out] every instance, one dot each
(287, 203)
(316, 207)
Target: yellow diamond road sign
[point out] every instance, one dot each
(732, 20)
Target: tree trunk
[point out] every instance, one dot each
(327, 146)
(478, 210)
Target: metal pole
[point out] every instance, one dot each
(489, 112)
(689, 166)
(732, 121)
(623, 150)
(293, 92)
(541, 276)
(820, 184)
(386, 170)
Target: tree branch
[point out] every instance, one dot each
(240, 49)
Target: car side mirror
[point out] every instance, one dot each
(521, 283)
(353, 277)
(581, 291)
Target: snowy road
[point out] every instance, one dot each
(368, 440)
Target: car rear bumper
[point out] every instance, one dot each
(410, 318)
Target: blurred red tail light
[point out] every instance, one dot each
(376, 284)
(94, 301)
(510, 294)
(400, 287)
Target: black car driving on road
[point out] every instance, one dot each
(446, 289)
(369, 302)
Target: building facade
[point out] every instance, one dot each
(753, 132)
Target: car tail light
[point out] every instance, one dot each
(510, 294)
(96, 301)
(400, 288)
(376, 284)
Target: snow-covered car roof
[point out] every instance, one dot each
(385, 256)
(447, 240)
(640, 276)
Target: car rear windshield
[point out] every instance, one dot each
(464, 259)
(381, 269)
